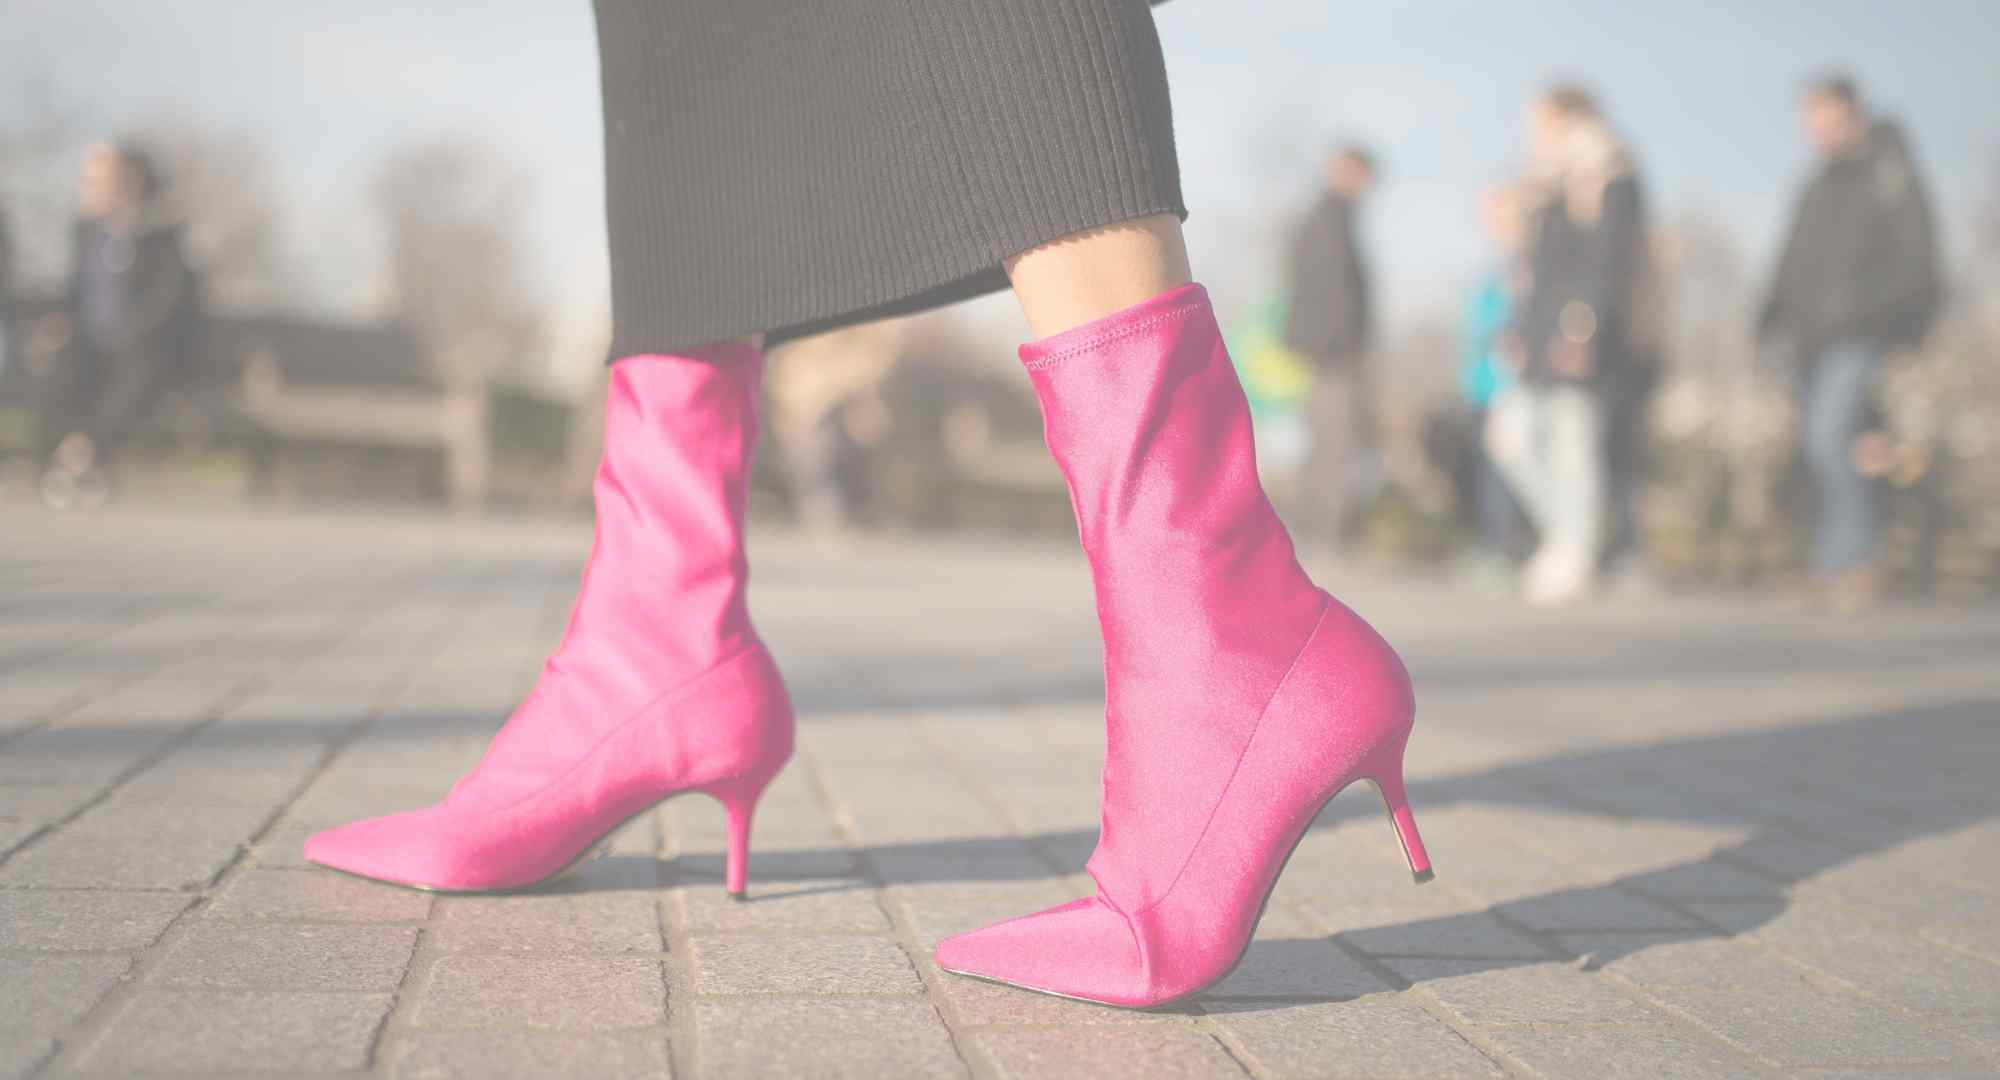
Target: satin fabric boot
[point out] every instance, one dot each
(660, 685)
(1239, 697)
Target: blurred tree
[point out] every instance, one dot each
(220, 186)
(37, 167)
(1710, 296)
(452, 209)
(1991, 233)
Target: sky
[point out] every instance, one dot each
(1704, 91)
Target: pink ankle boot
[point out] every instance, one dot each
(1240, 697)
(660, 685)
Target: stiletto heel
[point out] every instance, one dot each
(738, 797)
(1389, 784)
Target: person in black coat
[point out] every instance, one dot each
(1858, 279)
(1331, 322)
(129, 309)
(1574, 337)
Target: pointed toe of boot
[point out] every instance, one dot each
(350, 848)
(398, 849)
(1083, 949)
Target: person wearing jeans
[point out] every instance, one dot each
(1838, 386)
(1547, 441)
(1858, 278)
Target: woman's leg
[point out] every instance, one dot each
(1239, 697)
(1089, 275)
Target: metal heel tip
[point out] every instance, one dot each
(1424, 875)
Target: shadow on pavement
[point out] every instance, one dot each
(1811, 797)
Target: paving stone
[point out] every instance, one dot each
(1706, 878)
(1627, 1052)
(844, 905)
(256, 742)
(789, 813)
(1380, 1035)
(1741, 916)
(69, 859)
(938, 911)
(32, 695)
(182, 1031)
(38, 804)
(560, 922)
(41, 995)
(489, 1055)
(353, 800)
(1899, 1073)
(317, 896)
(1971, 937)
(979, 1003)
(1482, 992)
(1467, 934)
(1331, 873)
(1287, 960)
(566, 993)
(199, 786)
(282, 847)
(1597, 908)
(1107, 1053)
(15, 833)
(71, 757)
(962, 859)
(801, 965)
(1784, 855)
(1813, 1028)
(90, 920)
(1715, 963)
(1884, 962)
(1983, 1034)
(22, 1053)
(832, 1039)
(231, 955)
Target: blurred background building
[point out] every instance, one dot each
(397, 235)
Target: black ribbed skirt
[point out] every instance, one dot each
(783, 167)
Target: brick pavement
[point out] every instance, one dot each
(1691, 838)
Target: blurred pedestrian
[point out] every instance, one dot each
(1628, 388)
(1331, 322)
(772, 175)
(129, 313)
(1484, 372)
(6, 294)
(1586, 257)
(818, 387)
(1858, 278)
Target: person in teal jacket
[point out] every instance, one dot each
(1484, 372)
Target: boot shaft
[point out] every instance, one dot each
(667, 574)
